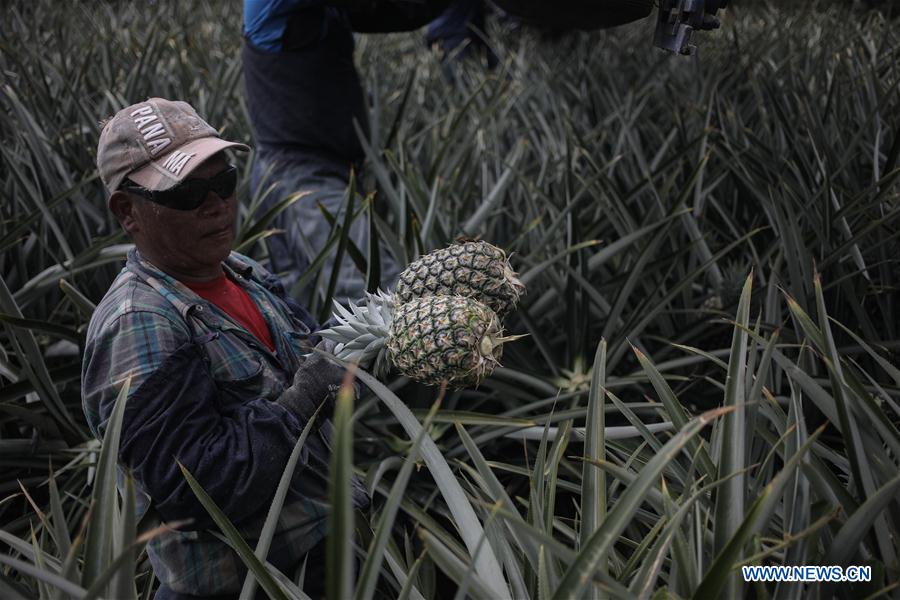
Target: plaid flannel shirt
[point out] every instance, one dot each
(238, 455)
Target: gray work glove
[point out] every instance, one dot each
(316, 380)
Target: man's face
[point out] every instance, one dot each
(187, 244)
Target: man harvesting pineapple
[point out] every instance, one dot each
(219, 361)
(221, 375)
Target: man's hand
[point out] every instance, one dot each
(317, 380)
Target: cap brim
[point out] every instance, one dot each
(160, 174)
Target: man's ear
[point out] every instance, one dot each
(124, 206)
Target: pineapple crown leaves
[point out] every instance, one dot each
(365, 333)
(362, 330)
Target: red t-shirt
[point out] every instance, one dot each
(236, 303)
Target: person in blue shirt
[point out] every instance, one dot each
(305, 101)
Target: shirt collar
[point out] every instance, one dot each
(178, 294)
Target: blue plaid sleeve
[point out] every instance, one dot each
(132, 345)
(237, 449)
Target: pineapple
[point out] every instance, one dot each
(431, 339)
(476, 270)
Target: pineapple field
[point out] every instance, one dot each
(648, 333)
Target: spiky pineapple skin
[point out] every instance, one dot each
(476, 270)
(439, 338)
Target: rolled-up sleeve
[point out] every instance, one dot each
(133, 345)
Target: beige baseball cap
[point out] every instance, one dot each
(156, 144)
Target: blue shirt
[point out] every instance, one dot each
(303, 91)
(265, 21)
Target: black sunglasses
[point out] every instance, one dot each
(190, 193)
